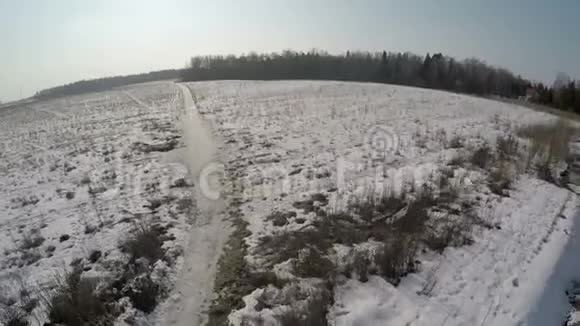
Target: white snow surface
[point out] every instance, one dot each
(54, 152)
(285, 140)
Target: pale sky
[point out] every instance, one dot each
(48, 43)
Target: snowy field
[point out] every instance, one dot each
(82, 175)
(287, 145)
(78, 176)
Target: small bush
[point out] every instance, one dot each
(441, 240)
(263, 279)
(421, 141)
(482, 156)
(495, 119)
(312, 264)
(312, 204)
(441, 137)
(145, 242)
(507, 148)
(413, 222)
(396, 258)
(12, 316)
(342, 228)
(32, 241)
(548, 145)
(456, 142)
(29, 305)
(70, 195)
(95, 255)
(449, 233)
(30, 257)
(361, 267)
(85, 180)
(501, 178)
(280, 218)
(90, 229)
(144, 293)
(76, 301)
(548, 142)
(449, 191)
(281, 247)
(313, 312)
(544, 171)
(370, 206)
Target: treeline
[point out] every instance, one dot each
(103, 84)
(564, 94)
(432, 71)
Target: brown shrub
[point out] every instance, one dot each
(144, 293)
(312, 263)
(548, 142)
(396, 258)
(13, 316)
(370, 206)
(482, 156)
(361, 267)
(313, 313)
(456, 142)
(501, 178)
(507, 148)
(76, 301)
(145, 242)
(448, 233)
(30, 241)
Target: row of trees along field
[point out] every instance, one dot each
(107, 83)
(432, 71)
(564, 94)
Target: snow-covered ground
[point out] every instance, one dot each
(77, 176)
(284, 141)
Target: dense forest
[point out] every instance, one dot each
(103, 84)
(433, 71)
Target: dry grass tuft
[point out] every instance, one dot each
(501, 178)
(396, 258)
(548, 142)
(507, 148)
(482, 156)
(12, 316)
(311, 263)
(313, 313)
(76, 301)
(145, 242)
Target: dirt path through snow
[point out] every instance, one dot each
(194, 286)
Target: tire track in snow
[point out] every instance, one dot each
(525, 258)
(501, 247)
